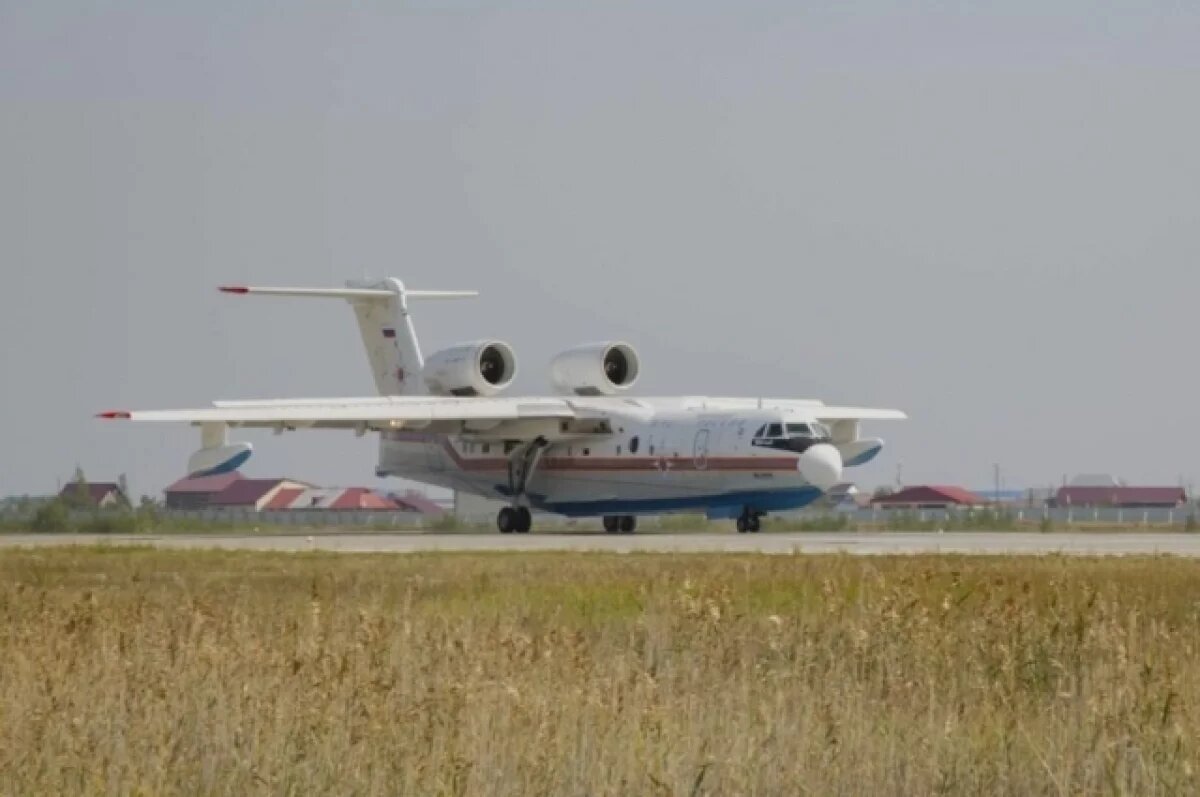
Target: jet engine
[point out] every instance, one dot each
(595, 369)
(481, 368)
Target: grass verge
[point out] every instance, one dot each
(145, 671)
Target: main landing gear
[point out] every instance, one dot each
(623, 524)
(521, 465)
(749, 521)
(514, 518)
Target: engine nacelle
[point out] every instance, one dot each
(597, 369)
(482, 368)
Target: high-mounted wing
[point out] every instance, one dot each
(363, 414)
(488, 418)
(811, 408)
(826, 414)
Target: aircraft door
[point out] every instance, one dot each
(700, 449)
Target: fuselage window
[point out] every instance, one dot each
(633, 445)
(618, 451)
(587, 452)
(487, 448)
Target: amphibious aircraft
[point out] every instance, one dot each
(591, 450)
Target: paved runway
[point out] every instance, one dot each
(861, 543)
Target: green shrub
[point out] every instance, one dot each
(447, 521)
(834, 522)
(51, 517)
(682, 522)
(111, 523)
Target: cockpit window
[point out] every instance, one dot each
(799, 430)
(775, 430)
(762, 430)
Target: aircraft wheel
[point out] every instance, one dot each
(506, 520)
(524, 520)
(628, 524)
(743, 524)
(612, 524)
(754, 524)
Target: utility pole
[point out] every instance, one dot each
(996, 474)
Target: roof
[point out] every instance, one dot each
(245, 492)
(203, 484)
(930, 494)
(97, 491)
(330, 498)
(1120, 496)
(417, 502)
(314, 498)
(284, 498)
(361, 498)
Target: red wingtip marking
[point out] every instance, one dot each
(114, 415)
(233, 289)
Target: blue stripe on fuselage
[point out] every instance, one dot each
(715, 506)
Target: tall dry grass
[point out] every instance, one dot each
(152, 672)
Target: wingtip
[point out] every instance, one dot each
(239, 289)
(115, 415)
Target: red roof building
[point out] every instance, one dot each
(234, 491)
(361, 498)
(284, 498)
(1120, 496)
(934, 496)
(100, 495)
(253, 494)
(417, 502)
(333, 498)
(195, 492)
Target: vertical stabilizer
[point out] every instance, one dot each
(389, 338)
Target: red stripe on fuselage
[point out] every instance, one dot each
(607, 464)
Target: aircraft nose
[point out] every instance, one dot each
(821, 466)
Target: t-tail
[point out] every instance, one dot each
(384, 322)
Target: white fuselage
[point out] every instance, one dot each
(589, 450)
(660, 455)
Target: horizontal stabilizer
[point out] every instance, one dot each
(381, 307)
(344, 293)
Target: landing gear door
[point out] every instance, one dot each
(434, 456)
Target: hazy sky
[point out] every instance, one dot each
(988, 218)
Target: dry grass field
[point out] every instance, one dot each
(151, 672)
